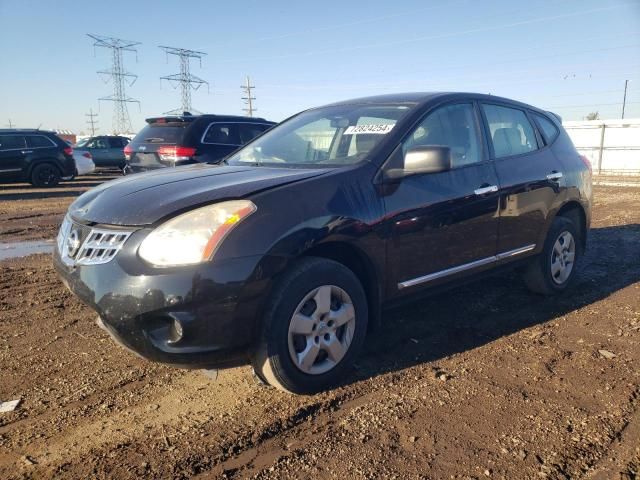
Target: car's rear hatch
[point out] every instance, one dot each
(160, 144)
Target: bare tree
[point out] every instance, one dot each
(593, 116)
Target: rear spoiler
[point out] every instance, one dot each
(556, 116)
(187, 117)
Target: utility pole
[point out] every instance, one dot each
(248, 99)
(119, 77)
(624, 99)
(10, 124)
(92, 123)
(185, 79)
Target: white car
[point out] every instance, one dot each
(84, 162)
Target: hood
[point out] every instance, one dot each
(145, 198)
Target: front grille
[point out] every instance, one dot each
(83, 245)
(100, 246)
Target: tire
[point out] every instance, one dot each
(554, 270)
(45, 175)
(318, 307)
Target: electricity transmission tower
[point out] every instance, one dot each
(185, 79)
(248, 99)
(91, 122)
(119, 78)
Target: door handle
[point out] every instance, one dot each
(554, 176)
(483, 190)
(26, 151)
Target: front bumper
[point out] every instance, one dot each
(203, 316)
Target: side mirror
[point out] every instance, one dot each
(422, 159)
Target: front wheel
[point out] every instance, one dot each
(313, 328)
(554, 269)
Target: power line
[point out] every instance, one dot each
(119, 77)
(467, 67)
(442, 35)
(91, 122)
(185, 79)
(248, 99)
(589, 93)
(592, 105)
(359, 22)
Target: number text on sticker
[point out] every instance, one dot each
(355, 129)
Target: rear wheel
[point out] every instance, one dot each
(45, 175)
(314, 327)
(554, 269)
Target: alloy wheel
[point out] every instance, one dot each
(321, 329)
(563, 257)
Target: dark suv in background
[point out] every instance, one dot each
(106, 150)
(180, 140)
(35, 156)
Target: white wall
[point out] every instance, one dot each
(620, 150)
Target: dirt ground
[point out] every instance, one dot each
(484, 381)
(39, 211)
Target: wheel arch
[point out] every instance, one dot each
(574, 211)
(40, 161)
(361, 265)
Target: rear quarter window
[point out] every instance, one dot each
(222, 134)
(249, 131)
(39, 141)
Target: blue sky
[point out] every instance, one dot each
(569, 56)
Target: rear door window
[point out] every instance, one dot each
(39, 141)
(249, 131)
(549, 130)
(98, 143)
(511, 131)
(222, 134)
(116, 143)
(12, 142)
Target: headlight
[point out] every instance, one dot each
(194, 237)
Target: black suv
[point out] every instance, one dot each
(106, 150)
(181, 140)
(35, 156)
(285, 255)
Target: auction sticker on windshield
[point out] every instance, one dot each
(380, 129)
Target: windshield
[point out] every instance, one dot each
(331, 136)
(82, 142)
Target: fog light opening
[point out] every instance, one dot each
(175, 332)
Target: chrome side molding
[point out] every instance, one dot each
(467, 266)
(513, 253)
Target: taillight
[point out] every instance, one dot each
(87, 155)
(127, 152)
(174, 153)
(587, 163)
(68, 151)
